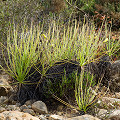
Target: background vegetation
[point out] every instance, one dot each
(17, 10)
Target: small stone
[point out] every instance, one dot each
(56, 117)
(17, 104)
(74, 111)
(60, 108)
(117, 95)
(3, 98)
(23, 107)
(12, 107)
(29, 106)
(102, 113)
(42, 117)
(30, 111)
(59, 113)
(39, 107)
(29, 102)
(24, 115)
(2, 109)
(13, 102)
(68, 115)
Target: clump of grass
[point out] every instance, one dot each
(112, 46)
(89, 43)
(22, 51)
(85, 96)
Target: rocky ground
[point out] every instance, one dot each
(107, 108)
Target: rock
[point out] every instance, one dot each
(15, 115)
(7, 100)
(30, 111)
(109, 99)
(2, 109)
(117, 95)
(29, 106)
(29, 102)
(39, 107)
(60, 108)
(102, 113)
(5, 88)
(115, 76)
(59, 113)
(100, 69)
(42, 117)
(2, 99)
(109, 103)
(84, 117)
(12, 108)
(18, 104)
(56, 117)
(23, 107)
(114, 115)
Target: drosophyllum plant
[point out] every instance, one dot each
(84, 93)
(22, 51)
(112, 46)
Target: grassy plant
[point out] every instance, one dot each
(89, 43)
(84, 94)
(112, 45)
(75, 42)
(57, 44)
(22, 51)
